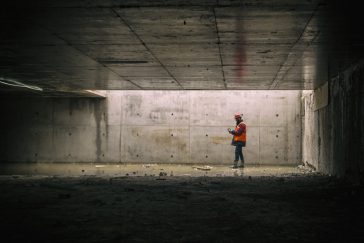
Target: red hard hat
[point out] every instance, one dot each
(237, 115)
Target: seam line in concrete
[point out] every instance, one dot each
(219, 46)
(146, 47)
(281, 73)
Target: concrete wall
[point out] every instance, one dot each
(333, 140)
(152, 127)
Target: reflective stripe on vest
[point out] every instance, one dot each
(242, 136)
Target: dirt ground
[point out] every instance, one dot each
(287, 208)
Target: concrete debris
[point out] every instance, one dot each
(205, 168)
(306, 168)
(162, 173)
(310, 166)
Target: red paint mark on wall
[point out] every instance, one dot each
(240, 53)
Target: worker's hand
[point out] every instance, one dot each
(229, 130)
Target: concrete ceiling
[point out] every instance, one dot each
(64, 45)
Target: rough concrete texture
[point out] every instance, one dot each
(289, 208)
(153, 127)
(333, 140)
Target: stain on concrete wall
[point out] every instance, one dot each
(154, 127)
(101, 119)
(334, 134)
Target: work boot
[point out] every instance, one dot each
(235, 166)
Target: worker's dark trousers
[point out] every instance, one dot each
(239, 154)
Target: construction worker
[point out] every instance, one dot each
(239, 140)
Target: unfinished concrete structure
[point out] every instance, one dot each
(103, 89)
(68, 48)
(153, 127)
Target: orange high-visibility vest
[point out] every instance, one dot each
(242, 136)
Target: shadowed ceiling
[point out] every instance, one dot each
(65, 46)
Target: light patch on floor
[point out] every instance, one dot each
(157, 170)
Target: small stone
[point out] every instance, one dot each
(162, 174)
